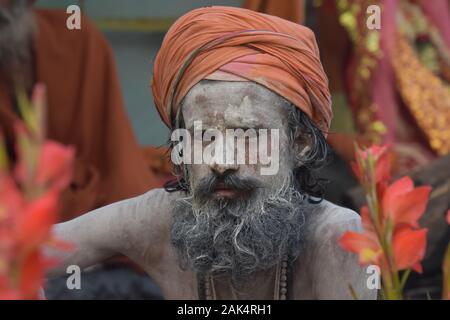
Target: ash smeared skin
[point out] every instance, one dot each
(235, 105)
(140, 228)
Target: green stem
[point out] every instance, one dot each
(404, 278)
(391, 280)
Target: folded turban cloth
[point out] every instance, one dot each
(213, 42)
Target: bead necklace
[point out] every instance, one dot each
(280, 287)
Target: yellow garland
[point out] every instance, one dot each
(425, 94)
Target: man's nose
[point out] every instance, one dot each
(223, 169)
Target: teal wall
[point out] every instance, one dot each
(135, 51)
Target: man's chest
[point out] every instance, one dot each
(179, 282)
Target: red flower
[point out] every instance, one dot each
(29, 202)
(409, 248)
(10, 197)
(37, 219)
(55, 165)
(390, 230)
(403, 203)
(382, 157)
(366, 245)
(32, 272)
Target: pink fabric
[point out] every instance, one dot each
(438, 11)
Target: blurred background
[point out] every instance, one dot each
(135, 30)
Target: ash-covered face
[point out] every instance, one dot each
(235, 219)
(223, 106)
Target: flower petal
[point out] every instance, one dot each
(364, 245)
(396, 189)
(408, 208)
(383, 166)
(355, 242)
(55, 165)
(31, 275)
(367, 256)
(409, 247)
(37, 220)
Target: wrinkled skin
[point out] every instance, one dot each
(238, 105)
(140, 227)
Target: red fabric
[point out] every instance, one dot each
(85, 109)
(278, 54)
(292, 10)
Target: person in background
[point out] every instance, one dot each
(84, 109)
(84, 102)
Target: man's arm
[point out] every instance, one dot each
(132, 227)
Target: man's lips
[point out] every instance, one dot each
(224, 191)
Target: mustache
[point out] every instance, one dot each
(209, 184)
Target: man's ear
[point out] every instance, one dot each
(302, 146)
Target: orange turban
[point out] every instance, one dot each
(215, 41)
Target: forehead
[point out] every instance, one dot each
(234, 104)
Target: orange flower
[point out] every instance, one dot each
(22, 235)
(364, 244)
(382, 157)
(55, 165)
(408, 245)
(403, 203)
(409, 248)
(10, 197)
(29, 202)
(34, 224)
(32, 272)
(391, 228)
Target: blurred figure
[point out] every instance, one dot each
(390, 85)
(292, 10)
(85, 107)
(397, 77)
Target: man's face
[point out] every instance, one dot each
(225, 106)
(235, 219)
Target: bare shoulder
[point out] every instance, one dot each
(331, 269)
(153, 209)
(149, 218)
(328, 221)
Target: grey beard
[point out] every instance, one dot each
(240, 236)
(16, 33)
